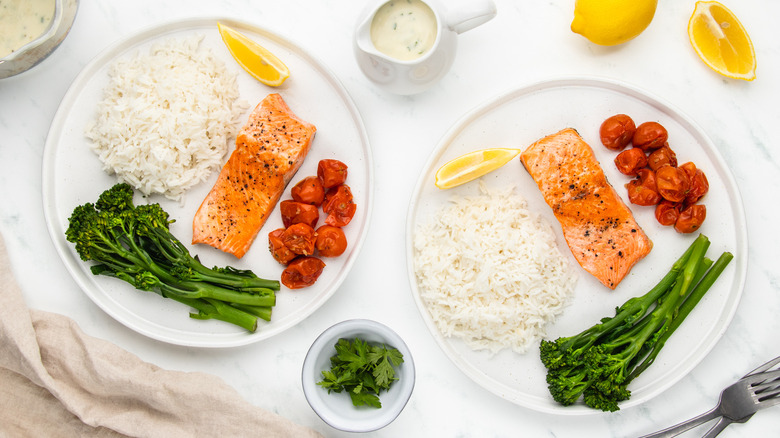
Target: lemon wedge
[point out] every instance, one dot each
(472, 165)
(721, 41)
(254, 58)
(612, 22)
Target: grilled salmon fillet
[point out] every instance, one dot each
(270, 148)
(597, 225)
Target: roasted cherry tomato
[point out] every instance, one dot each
(650, 136)
(331, 173)
(302, 272)
(617, 131)
(300, 239)
(630, 161)
(642, 190)
(699, 183)
(276, 245)
(673, 183)
(667, 212)
(339, 206)
(309, 191)
(298, 213)
(331, 241)
(691, 218)
(663, 156)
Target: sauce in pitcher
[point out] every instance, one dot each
(22, 21)
(404, 29)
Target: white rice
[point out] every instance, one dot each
(166, 116)
(490, 272)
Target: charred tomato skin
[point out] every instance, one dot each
(617, 131)
(302, 272)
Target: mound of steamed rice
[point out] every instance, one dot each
(490, 273)
(166, 116)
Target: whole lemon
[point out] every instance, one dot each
(612, 22)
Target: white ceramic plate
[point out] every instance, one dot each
(72, 175)
(517, 119)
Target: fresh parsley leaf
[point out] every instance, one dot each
(365, 399)
(362, 369)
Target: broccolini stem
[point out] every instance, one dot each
(635, 307)
(213, 309)
(175, 251)
(687, 306)
(189, 289)
(263, 312)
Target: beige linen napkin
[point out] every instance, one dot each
(56, 381)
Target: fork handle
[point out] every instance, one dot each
(722, 423)
(685, 425)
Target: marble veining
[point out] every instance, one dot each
(527, 41)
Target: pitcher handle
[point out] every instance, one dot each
(470, 15)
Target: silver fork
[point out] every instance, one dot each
(738, 402)
(723, 422)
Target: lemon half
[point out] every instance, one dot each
(254, 58)
(472, 165)
(721, 41)
(612, 22)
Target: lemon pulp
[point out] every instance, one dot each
(472, 165)
(721, 41)
(254, 58)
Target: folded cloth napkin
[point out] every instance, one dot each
(56, 381)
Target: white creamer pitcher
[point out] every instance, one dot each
(412, 62)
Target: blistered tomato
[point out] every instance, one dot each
(309, 191)
(663, 156)
(278, 249)
(617, 131)
(650, 136)
(331, 241)
(339, 206)
(294, 212)
(667, 212)
(642, 190)
(331, 173)
(699, 183)
(630, 161)
(672, 183)
(691, 218)
(300, 239)
(302, 272)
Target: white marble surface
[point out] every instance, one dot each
(526, 42)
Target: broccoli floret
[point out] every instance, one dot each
(598, 363)
(134, 244)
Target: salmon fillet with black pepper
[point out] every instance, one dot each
(597, 225)
(270, 149)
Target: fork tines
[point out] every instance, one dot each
(766, 385)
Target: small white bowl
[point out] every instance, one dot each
(337, 409)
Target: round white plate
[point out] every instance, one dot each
(72, 175)
(517, 119)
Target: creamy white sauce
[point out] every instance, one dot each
(22, 21)
(404, 29)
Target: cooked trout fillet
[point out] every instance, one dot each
(270, 148)
(597, 225)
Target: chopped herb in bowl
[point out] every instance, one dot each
(362, 369)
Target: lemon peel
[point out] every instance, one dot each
(612, 22)
(254, 58)
(472, 165)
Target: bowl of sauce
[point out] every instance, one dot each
(405, 46)
(30, 30)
